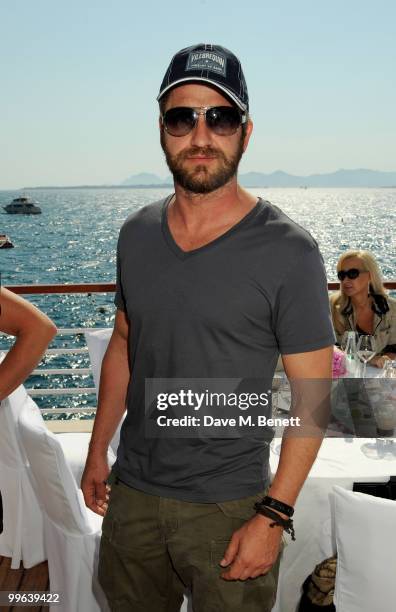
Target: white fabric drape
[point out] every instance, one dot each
(22, 539)
(72, 533)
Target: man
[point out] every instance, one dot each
(212, 283)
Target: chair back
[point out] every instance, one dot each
(53, 481)
(22, 538)
(97, 342)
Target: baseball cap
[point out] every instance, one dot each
(211, 64)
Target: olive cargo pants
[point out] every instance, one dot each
(152, 548)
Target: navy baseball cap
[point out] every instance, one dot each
(209, 64)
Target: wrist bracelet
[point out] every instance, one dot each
(287, 524)
(277, 505)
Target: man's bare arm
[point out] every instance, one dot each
(114, 379)
(33, 331)
(298, 453)
(255, 546)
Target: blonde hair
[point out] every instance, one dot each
(339, 300)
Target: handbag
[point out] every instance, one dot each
(318, 588)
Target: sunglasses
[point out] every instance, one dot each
(221, 120)
(352, 273)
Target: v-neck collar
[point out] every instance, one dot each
(172, 244)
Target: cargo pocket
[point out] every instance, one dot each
(217, 550)
(243, 510)
(266, 581)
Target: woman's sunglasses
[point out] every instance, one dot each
(221, 120)
(352, 273)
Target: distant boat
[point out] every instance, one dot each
(5, 242)
(23, 206)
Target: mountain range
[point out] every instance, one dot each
(341, 178)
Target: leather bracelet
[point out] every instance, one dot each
(277, 505)
(287, 524)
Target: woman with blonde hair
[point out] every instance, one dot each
(363, 305)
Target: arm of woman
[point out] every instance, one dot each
(389, 351)
(33, 331)
(388, 354)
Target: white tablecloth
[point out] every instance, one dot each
(339, 462)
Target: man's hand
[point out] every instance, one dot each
(93, 483)
(253, 549)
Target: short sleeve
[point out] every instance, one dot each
(119, 299)
(302, 313)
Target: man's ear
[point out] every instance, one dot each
(249, 129)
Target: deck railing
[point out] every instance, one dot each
(110, 288)
(64, 371)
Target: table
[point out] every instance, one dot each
(340, 461)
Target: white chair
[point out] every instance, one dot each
(23, 536)
(97, 341)
(23, 533)
(366, 551)
(71, 531)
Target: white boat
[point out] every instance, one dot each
(5, 242)
(23, 206)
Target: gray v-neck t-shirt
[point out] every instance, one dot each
(224, 310)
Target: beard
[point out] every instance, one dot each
(202, 179)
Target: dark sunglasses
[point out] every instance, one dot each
(352, 273)
(221, 120)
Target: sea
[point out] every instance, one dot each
(74, 241)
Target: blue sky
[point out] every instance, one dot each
(79, 81)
